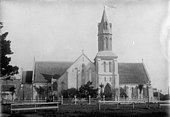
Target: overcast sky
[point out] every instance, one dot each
(58, 30)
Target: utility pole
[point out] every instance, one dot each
(168, 93)
(148, 94)
(77, 78)
(1, 26)
(33, 78)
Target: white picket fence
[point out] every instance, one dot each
(34, 106)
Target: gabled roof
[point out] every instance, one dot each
(81, 56)
(44, 71)
(132, 73)
(27, 77)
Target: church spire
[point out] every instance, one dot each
(104, 34)
(104, 17)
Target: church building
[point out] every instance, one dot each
(105, 73)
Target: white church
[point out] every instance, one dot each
(105, 71)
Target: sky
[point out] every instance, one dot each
(58, 30)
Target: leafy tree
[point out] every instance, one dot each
(155, 94)
(140, 88)
(40, 90)
(108, 91)
(12, 90)
(70, 93)
(162, 96)
(43, 91)
(86, 90)
(123, 93)
(101, 89)
(6, 69)
(83, 92)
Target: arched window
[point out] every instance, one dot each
(104, 66)
(108, 90)
(110, 67)
(110, 43)
(110, 79)
(107, 43)
(83, 74)
(104, 44)
(62, 85)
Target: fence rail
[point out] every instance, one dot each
(27, 105)
(80, 101)
(34, 106)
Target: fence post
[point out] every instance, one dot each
(61, 99)
(11, 108)
(45, 99)
(104, 98)
(35, 106)
(99, 105)
(117, 106)
(89, 99)
(75, 99)
(53, 99)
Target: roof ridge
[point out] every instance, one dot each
(55, 61)
(146, 72)
(130, 62)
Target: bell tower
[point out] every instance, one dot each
(104, 34)
(107, 76)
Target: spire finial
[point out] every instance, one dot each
(142, 60)
(104, 18)
(82, 51)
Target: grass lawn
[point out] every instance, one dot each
(105, 111)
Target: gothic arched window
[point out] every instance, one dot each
(110, 79)
(107, 43)
(62, 85)
(110, 67)
(104, 66)
(104, 43)
(83, 73)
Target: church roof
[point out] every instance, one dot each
(44, 71)
(106, 54)
(129, 73)
(132, 73)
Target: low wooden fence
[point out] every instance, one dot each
(134, 104)
(34, 106)
(26, 105)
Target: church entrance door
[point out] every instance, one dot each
(108, 91)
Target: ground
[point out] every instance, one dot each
(92, 111)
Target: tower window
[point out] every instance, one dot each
(104, 66)
(107, 43)
(106, 25)
(110, 67)
(105, 79)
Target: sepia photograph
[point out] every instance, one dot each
(84, 58)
